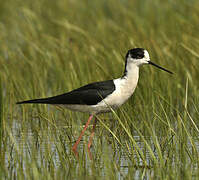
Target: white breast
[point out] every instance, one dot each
(124, 90)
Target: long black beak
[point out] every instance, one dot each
(159, 67)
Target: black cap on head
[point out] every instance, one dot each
(136, 53)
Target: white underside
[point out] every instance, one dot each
(124, 89)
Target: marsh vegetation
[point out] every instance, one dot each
(51, 47)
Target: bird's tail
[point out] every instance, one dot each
(35, 101)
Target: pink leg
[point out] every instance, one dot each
(91, 138)
(74, 148)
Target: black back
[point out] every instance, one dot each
(89, 94)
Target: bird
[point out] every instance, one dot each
(101, 97)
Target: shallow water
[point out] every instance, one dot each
(38, 143)
(31, 143)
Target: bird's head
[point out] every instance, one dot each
(137, 56)
(140, 56)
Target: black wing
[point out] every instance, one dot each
(90, 94)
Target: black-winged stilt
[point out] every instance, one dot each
(100, 97)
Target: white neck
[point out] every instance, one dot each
(131, 74)
(125, 86)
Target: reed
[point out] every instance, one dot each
(51, 47)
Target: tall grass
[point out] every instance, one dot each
(1, 114)
(51, 47)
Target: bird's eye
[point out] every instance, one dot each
(139, 55)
